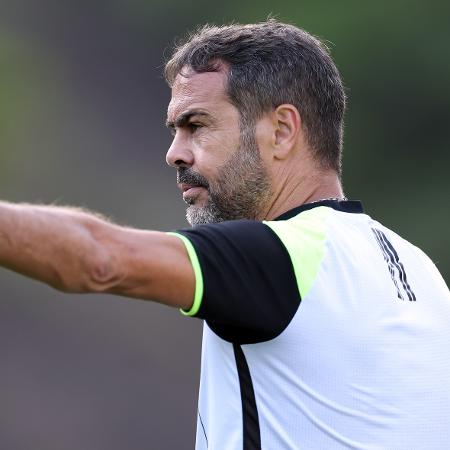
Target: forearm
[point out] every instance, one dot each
(59, 246)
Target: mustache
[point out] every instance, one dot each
(186, 175)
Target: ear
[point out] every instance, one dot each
(287, 129)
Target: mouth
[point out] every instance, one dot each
(190, 190)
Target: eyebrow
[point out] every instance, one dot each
(184, 118)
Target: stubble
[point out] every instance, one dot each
(240, 190)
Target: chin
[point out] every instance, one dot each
(201, 214)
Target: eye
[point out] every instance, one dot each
(194, 126)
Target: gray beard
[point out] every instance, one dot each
(240, 191)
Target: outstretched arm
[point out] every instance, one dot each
(79, 252)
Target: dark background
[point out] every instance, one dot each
(82, 110)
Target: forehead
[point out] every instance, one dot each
(197, 90)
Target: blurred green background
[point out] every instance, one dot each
(82, 110)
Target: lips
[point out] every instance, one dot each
(190, 190)
(184, 187)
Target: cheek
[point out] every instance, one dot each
(212, 151)
(212, 142)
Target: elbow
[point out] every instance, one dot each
(96, 272)
(102, 273)
(89, 259)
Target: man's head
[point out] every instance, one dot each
(242, 75)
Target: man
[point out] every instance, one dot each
(323, 329)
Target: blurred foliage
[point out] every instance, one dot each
(28, 97)
(16, 87)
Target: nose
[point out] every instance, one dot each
(179, 153)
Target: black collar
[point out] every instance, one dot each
(349, 206)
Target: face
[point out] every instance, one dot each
(219, 168)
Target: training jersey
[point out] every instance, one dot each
(323, 329)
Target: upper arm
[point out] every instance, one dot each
(150, 265)
(250, 291)
(236, 275)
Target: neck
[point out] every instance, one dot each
(298, 191)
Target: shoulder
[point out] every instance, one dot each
(250, 291)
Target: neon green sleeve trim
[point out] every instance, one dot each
(198, 296)
(304, 237)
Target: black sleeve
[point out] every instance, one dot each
(250, 292)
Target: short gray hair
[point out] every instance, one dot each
(272, 63)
